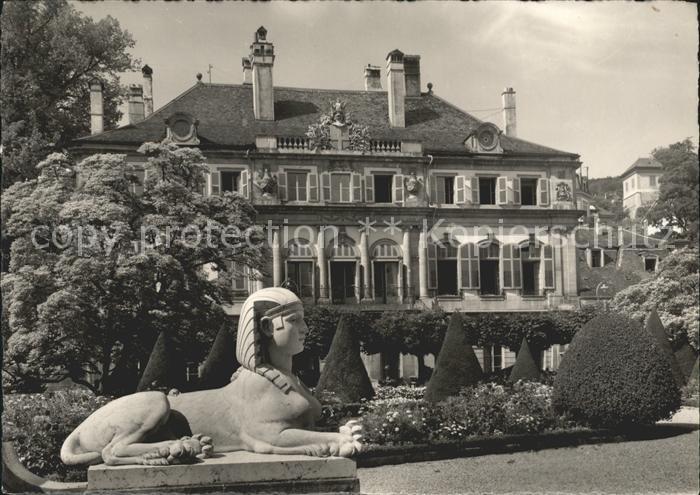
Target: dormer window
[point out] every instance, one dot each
(182, 129)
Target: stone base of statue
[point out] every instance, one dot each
(239, 472)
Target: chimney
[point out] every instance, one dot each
(373, 78)
(136, 107)
(147, 90)
(96, 107)
(396, 87)
(411, 65)
(247, 71)
(262, 57)
(509, 112)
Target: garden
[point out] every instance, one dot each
(615, 377)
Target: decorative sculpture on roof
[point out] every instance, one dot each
(336, 131)
(563, 192)
(264, 409)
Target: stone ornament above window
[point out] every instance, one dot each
(563, 191)
(266, 183)
(484, 139)
(181, 128)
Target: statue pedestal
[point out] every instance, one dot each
(240, 472)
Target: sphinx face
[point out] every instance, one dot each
(289, 334)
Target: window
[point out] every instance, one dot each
(469, 259)
(445, 190)
(229, 181)
(511, 267)
(650, 264)
(340, 188)
(447, 253)
(489, 254)
(382, 188)
(300, 278)
(138, 177)
(596, 258)
(652, 180)
(296, 186)
(239, 276)
(487, 190)
(626, 186)
(530, 256)
(528, 192)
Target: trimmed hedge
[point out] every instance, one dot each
(221, 362)
(525, 367)
(614, 374)
(344, 374)
(164, 370)
(456, 365)
(656, 328)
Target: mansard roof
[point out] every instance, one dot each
(642, 163)
(226, 120)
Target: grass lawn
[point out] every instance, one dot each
(666, 465)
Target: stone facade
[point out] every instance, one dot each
(380, 200)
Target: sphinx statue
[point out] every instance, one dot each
(264, 409)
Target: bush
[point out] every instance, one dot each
(456, 365)
(525, 367)
(397, 421)
(344, 373)
(39, 423)
(654, 326)
(221, 362)
(400, 392)
(615, 374)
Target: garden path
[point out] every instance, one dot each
(666, 465)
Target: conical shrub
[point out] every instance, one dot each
(457, 365)
(657, 330)
(221, 362)
(165, 369)
(344, 373)
(525, 367)
(614, 374)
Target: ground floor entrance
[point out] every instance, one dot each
(342, 282)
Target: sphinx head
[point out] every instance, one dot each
(270, 317)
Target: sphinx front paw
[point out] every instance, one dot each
(350, 441)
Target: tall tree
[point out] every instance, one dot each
(98, 271)
(673, 292)
(49, 54)
(677, 205)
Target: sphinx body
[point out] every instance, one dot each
(265, 408)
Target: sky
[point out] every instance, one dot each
(610, 81)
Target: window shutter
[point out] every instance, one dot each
(460, 196)
(508, 266)
(243, 184)
(282, 185)
(313, 187)
(469, 269)
(398, 188)
(356, 188)
(475, 190)
(215, 180)
(548, 258)
(502, 191)
(432, 265)
(433, 189)
(369, 188)
(325, 186)
(516, 191)
(542, 192)
(467, 190)
(517, 267)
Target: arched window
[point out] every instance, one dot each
(386, 248)
(443, 258)
(343, 247)
(300, 248)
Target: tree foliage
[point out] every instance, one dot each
(677, 205)
(673, 292)
(97, 271)
(50, 53)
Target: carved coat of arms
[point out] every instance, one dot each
(563, 192)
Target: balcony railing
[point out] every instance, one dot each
(293, 143)
(385, 146)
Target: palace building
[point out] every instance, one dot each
(385, 197)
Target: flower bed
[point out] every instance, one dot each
(483, 410)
